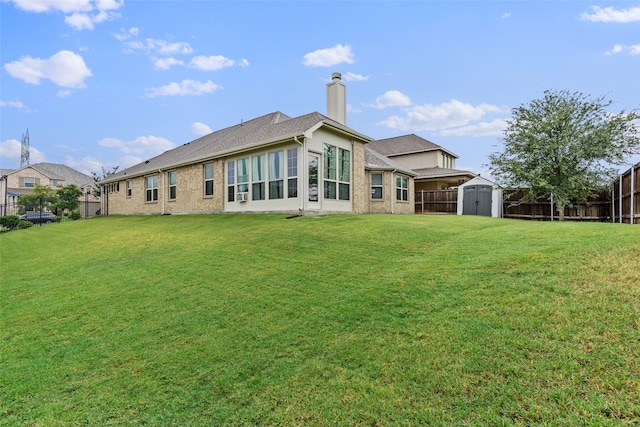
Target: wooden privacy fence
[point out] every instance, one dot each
(436, 201)
(625, 197)
(596, 209)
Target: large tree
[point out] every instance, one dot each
(565, 144)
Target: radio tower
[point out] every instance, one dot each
(24, 155)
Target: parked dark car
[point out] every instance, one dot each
(38, 217)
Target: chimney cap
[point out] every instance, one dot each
(336, 76)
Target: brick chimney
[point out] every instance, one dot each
(337, 99)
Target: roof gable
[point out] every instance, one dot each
(405, 144)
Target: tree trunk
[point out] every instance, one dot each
(560, 207)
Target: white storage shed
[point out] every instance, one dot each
(479, 196)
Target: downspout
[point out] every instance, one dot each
(302, 171)
(620, 202)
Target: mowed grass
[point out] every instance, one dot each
(372, 320)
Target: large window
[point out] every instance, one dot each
(337, 173)
(276, 175)
(243, 176)
(151, 185)
(402, 188)
(29, 182)
(292, 172)
(257, 177)
(208, 179)
(313, 178)
(376, 185)
(172, 185)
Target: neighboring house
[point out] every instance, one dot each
(434, 166)
(273, 163)
(22, 181)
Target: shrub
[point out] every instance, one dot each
(75, 215)
(10, 221)
(24, 224)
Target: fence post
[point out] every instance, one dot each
(613, 202)
(632, 213)
(551, 207)
(620, 202)
(422, 200)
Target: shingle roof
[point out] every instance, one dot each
(263, 130)
(405, 144)
(62, 172)
(377, 161)
(441, 172)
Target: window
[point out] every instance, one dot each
(243, 176)
(208, 179)
(402, 188)
(231, 180)
(54, 183)
(172, 185)
(129, 188)
(29, 182)
(292, 172)
(152, 188)
(276, 175)
(257, 177)
(376, 186)
(337, 173)
(313, 178)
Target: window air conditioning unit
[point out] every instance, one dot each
(243, 197)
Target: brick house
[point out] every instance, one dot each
(274, 163)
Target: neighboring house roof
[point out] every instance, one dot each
(65, 173)
(261, 131)
(376, 161)
(4, 172)
(406, 144)
(438, 172)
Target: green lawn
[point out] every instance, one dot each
(372, 320)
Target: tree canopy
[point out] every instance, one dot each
(42, 197)
(68, 197)
(564, 144)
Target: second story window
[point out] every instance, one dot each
(29, 182)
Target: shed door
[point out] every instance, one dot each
(476, 200)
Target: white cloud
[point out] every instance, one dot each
(441, 117)
(185, 87)
(200, 128)
(392, 98)
(633, 49)
(495, 127)
(11, 150)
(161, 47)
(217, 62)
(506, 15)
(166, 63)
(15, 104)
(66, 6)
(127, 34)
(142, 146)
(63, 93)
(352, 77)
(65, 68)
(81, 14)
(330, 56)
(86, 165)
(610, 14)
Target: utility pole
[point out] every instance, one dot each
(24, 153)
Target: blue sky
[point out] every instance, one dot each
(104, 83)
